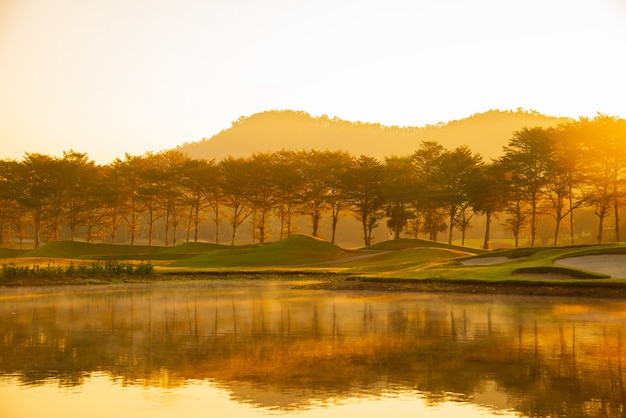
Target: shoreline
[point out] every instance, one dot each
(582, 289)
(348, 282)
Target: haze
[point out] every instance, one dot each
(117, 76)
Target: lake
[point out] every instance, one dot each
(258, 348)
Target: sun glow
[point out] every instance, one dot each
(133, 76)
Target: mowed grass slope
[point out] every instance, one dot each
(296, 250)
(407, 243)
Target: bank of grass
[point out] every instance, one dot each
(395, 260)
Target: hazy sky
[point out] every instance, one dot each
(113, 76)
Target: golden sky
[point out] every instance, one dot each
(113, 76)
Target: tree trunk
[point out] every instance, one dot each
(37, 228)
(167, 225)
(451, 228)
(571, 214)
(557, 227)
(616, 205)
(189, 222)
(600, 228)
(533, 217)
(315, 221)
(486, 243)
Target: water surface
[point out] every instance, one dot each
(253, 349)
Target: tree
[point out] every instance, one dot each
(127, 174)
(427, 159)
(288, 181)
(399, 188)
(603, 142)
(263, 194)
(334, 165)
(198, 180)
(114, 197)
(78, 189)
(561, 179)
(236, 190)
(454, 171)
(150, 190)
(527, 156)
(364, 194)
(487, 194)
(9, 209)
(313, 195)
(33, 184)
(98, 211)
(170, 165)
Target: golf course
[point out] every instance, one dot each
(403, 264)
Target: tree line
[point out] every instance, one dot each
(543, 172)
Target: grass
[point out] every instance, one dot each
(398, 259)
(10, 253)
(86, 251)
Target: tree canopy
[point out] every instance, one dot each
(542, 179)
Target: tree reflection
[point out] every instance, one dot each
(308, 348)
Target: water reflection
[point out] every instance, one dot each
(274, 349)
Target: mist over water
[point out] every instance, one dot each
(264, 348)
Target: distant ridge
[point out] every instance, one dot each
(485, 133)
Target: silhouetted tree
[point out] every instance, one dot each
(364, 194)
(78, 187)
(562, 178)
(527, 156)
(151, 190)
(487, 194)
(33, 186)
(263, 194)
(236, 182)
(455, 169)
(127, 173)
(313, 195)
(603, 140)
(171, 164)
(399, 188)
(427, 160)
(198, 177)
(288, 181)
(9, 209)
(335, 165)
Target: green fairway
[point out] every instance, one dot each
(398, 259)
(85, 251)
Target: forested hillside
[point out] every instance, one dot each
(485, 133)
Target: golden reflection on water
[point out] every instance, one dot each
(99, 397)
(256, 348)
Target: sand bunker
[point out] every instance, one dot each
(613, 265)
(483, 261)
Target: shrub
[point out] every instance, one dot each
(109, 268)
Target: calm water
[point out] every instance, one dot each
(254, 349)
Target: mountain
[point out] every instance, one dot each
(485, 133)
